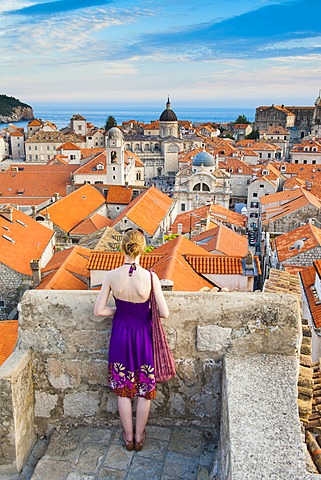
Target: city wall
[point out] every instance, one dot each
(237, 366)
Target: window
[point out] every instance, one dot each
(113, 156)
(30, 157)
(261, 185)
(254, 215)
(114, 169)
(36, 157)
(183, 207)
(48, 147)
(2, 304)
(114, 178)
(29, 148)
(72, 157)
(305, 162)
(100, 166)
(138, 176)
(48, 157)
(18, 144)
(254, 205)
(314, 162)
(36, 148)
(269, 155)
(254, 194)
(296, 161)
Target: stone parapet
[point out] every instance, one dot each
(17, 435)
(69, 348)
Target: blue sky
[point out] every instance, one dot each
(201, 52)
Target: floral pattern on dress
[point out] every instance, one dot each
(126, 383)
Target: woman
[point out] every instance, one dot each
(130, 363)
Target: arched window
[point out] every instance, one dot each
(201, 187)
(197, 187)
(138, 176)
(205, 187)
(113, 156)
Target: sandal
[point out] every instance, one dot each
(139, 445)
(128, 444)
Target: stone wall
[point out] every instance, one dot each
(17, 412)
(12, 284)
(305, 258)
(69, 350)
(293, 220)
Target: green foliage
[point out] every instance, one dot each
(242, 119)
(149, 248)
(255, 134)
(110, 123)
(170, 237)
(7, 104)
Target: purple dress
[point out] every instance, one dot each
(131, 362)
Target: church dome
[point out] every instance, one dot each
(168, 115)
(203, 158)
(115, 134)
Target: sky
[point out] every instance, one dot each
(200, 52)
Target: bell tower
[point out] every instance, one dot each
(115, 157)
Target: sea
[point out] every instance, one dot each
(60, 114)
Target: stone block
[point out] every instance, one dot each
(90, 341)
(44, 404)
(177, 405)
(95, 373)
(187, 370)
(81, 404)
(213, 338)
(63, 374)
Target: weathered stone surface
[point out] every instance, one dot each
(95, 373)
(64, 374)
(187, 370)
(17, 412)
(90, 341)
(44, 404)
(90, 458)
(213, 338)
(178, 405)
(81, 404)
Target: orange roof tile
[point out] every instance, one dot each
(90, 167)
(89, 152)
(221, 214)
(297, 241)
(22, 240)
(112, 260)
(236, 165)
(189, 219)
(216, 264)
(67, 212)
(92, 224)
(8, 338)
(308, 279)
(34, 123)
(222, 240)
(67, 270)
(35, 180)
(68, 146)
(119, 194)
(147, 210)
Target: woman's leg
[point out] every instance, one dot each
(142, 412)
(126, 416)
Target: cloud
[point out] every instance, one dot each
(264, 32)
(58, 6)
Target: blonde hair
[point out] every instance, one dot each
(133, 243)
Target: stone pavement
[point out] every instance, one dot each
(91, 453)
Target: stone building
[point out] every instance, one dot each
(159, 146)
(42, 146)
(275, 115)
(284, 211)
(307, 152)
(299, 247)
(202, 183)
(22, 240)
(316, 129)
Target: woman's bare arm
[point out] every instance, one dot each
(101, 309)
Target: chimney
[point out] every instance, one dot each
(33, 208)
(179, 228)
(249, 264)
(36, 272)
(167, 285)
(57, 196)
(6, 212)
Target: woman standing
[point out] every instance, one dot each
(130, 362)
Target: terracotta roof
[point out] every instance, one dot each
(67, 270)
(112, 260)
(88, 152)
(68, 212)
(22, 240)
(297, 241)
(216, 264)
(222, 240)
(277, 130)
(189, 219)
(236, 165)
(129, 154)
(168, 261)
(35, 180)
(16, 134)
(68, 146)
(308, 279)
(221, 214)
(282, 282)
(90, 167)
(92, 224)
(301, 199)
(35, 123)
(119, 194)
(152, 126)
(8, 338)
(147, 210)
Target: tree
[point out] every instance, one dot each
(255, 134)
(242, 119)
(110, 123)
